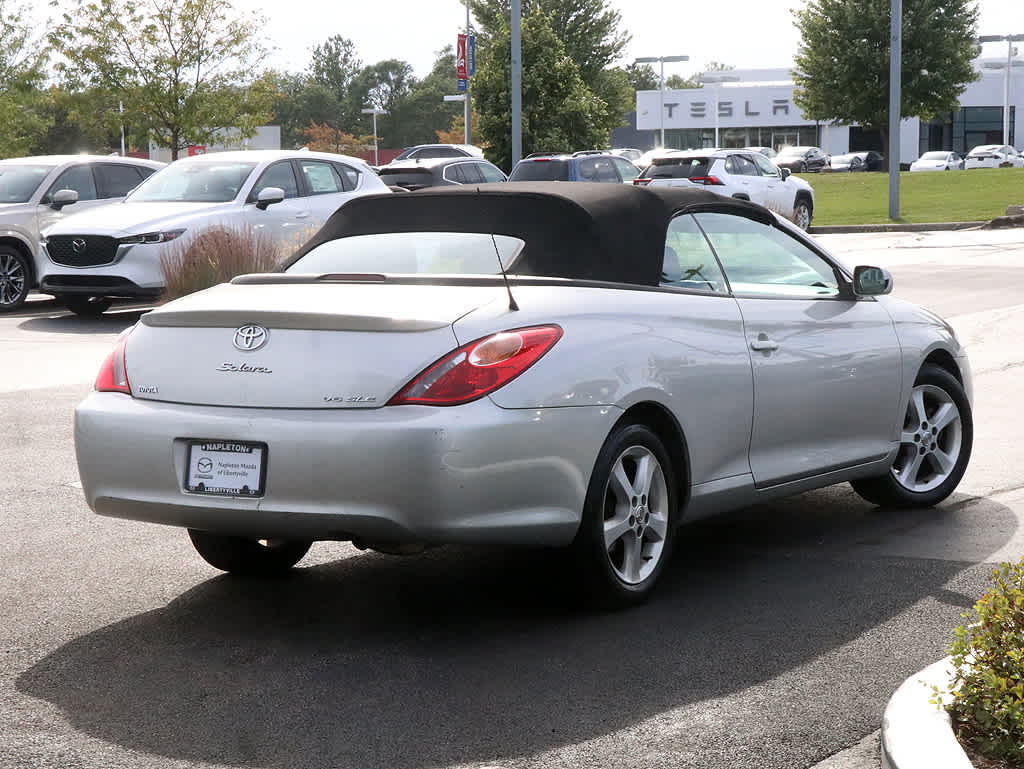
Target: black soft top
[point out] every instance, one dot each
(574, 230)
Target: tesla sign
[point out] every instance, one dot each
(737, 106)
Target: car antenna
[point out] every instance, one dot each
(512, 306)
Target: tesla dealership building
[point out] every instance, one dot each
(757, 110)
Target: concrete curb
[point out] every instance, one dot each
(839, 229)
(916, 734)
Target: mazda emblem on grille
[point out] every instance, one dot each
(78, 245)
(249, 338)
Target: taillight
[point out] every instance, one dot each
(478, 368)
(708, 180)
(113, 377)
(641, 182)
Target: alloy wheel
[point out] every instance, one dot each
(931, 440)
(635, 515)
(13, 280)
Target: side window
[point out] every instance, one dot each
(744, 166)
(762, 259)
(730, 165)
(588, 170)
(321, 177)
(78, 178)
(114, 180)
(453, 173)
(349, 176)
(605, 171)
(471, 173)
(768, 168)
(627, 170)
(277, 175)
(491, 173)
(689, 261)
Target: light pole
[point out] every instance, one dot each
(895, 103)
(374, 111)
(661, 82)
(717, 79)
(1010, 40)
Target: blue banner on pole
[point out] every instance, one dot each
(462, 83)
(471, 56)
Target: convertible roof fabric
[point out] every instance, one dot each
(575, 230)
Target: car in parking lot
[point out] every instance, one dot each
(115, 251)
(939, 160)
(434, 172)
(425, 151)
(37, 191)
(735, 174)
(589, 166)
(994, 156)
(768, 152)
(477, 365)
(801, 160)
(868, 160)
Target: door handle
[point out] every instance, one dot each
(302, 215)
(764, 344)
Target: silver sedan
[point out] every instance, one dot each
(580, 366)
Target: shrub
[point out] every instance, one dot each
(215, 256)
(987, 707)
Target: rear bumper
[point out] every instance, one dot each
(475, 473)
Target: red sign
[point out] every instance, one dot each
(196, 149)
(460, 58)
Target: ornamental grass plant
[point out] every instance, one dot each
(986, 705)
(216, 256)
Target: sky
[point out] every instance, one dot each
(743, 33)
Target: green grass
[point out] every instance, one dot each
(940, 196)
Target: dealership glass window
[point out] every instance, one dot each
(979, 125)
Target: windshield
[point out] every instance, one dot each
(985, 149)
(542, 170)
(17, 183)
(206, 182)
(423, 253)
(934, 156)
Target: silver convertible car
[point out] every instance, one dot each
(571, 365)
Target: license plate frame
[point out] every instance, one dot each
(226, 461)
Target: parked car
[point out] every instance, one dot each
(801, 160)
(939, 160)
(433, 172)
(645, 160)
(857, 161)
(768, 152)
(735, 174)
(37, 191)
(589, 167)
(424, 151)
(994, 156)
(629, 153)
(523, 397)
(114, 251)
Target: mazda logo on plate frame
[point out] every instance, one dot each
(250, 338)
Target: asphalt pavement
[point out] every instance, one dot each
(775, 641)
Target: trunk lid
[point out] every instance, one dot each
(313, 345)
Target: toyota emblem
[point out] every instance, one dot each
(249, 338)
(78, 245)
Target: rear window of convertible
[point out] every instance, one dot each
(422, 253)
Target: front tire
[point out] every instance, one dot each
(629, 518)
(15, 279)
(87, 306)
(935, 445)
(248, 557)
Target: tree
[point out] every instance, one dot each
(184, 69)
(23, 57)
(426, 110)
(323, 138)
(589, 33)
(385, 85)
(559, 112)
(842, 66)
(680, 82)
(642, 77)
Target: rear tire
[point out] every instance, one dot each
(248, 557)
(86, 306)
(802, 214)
(15, 278)
(629, 518)
(936, 439)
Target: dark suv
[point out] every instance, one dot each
(434, 172)
(602, 167)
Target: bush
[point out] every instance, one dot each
(987, 707)
(216, 256)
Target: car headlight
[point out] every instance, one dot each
(151, 237)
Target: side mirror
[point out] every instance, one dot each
(269, 196)
(871, 281)
(63, 198)
(786, 173)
